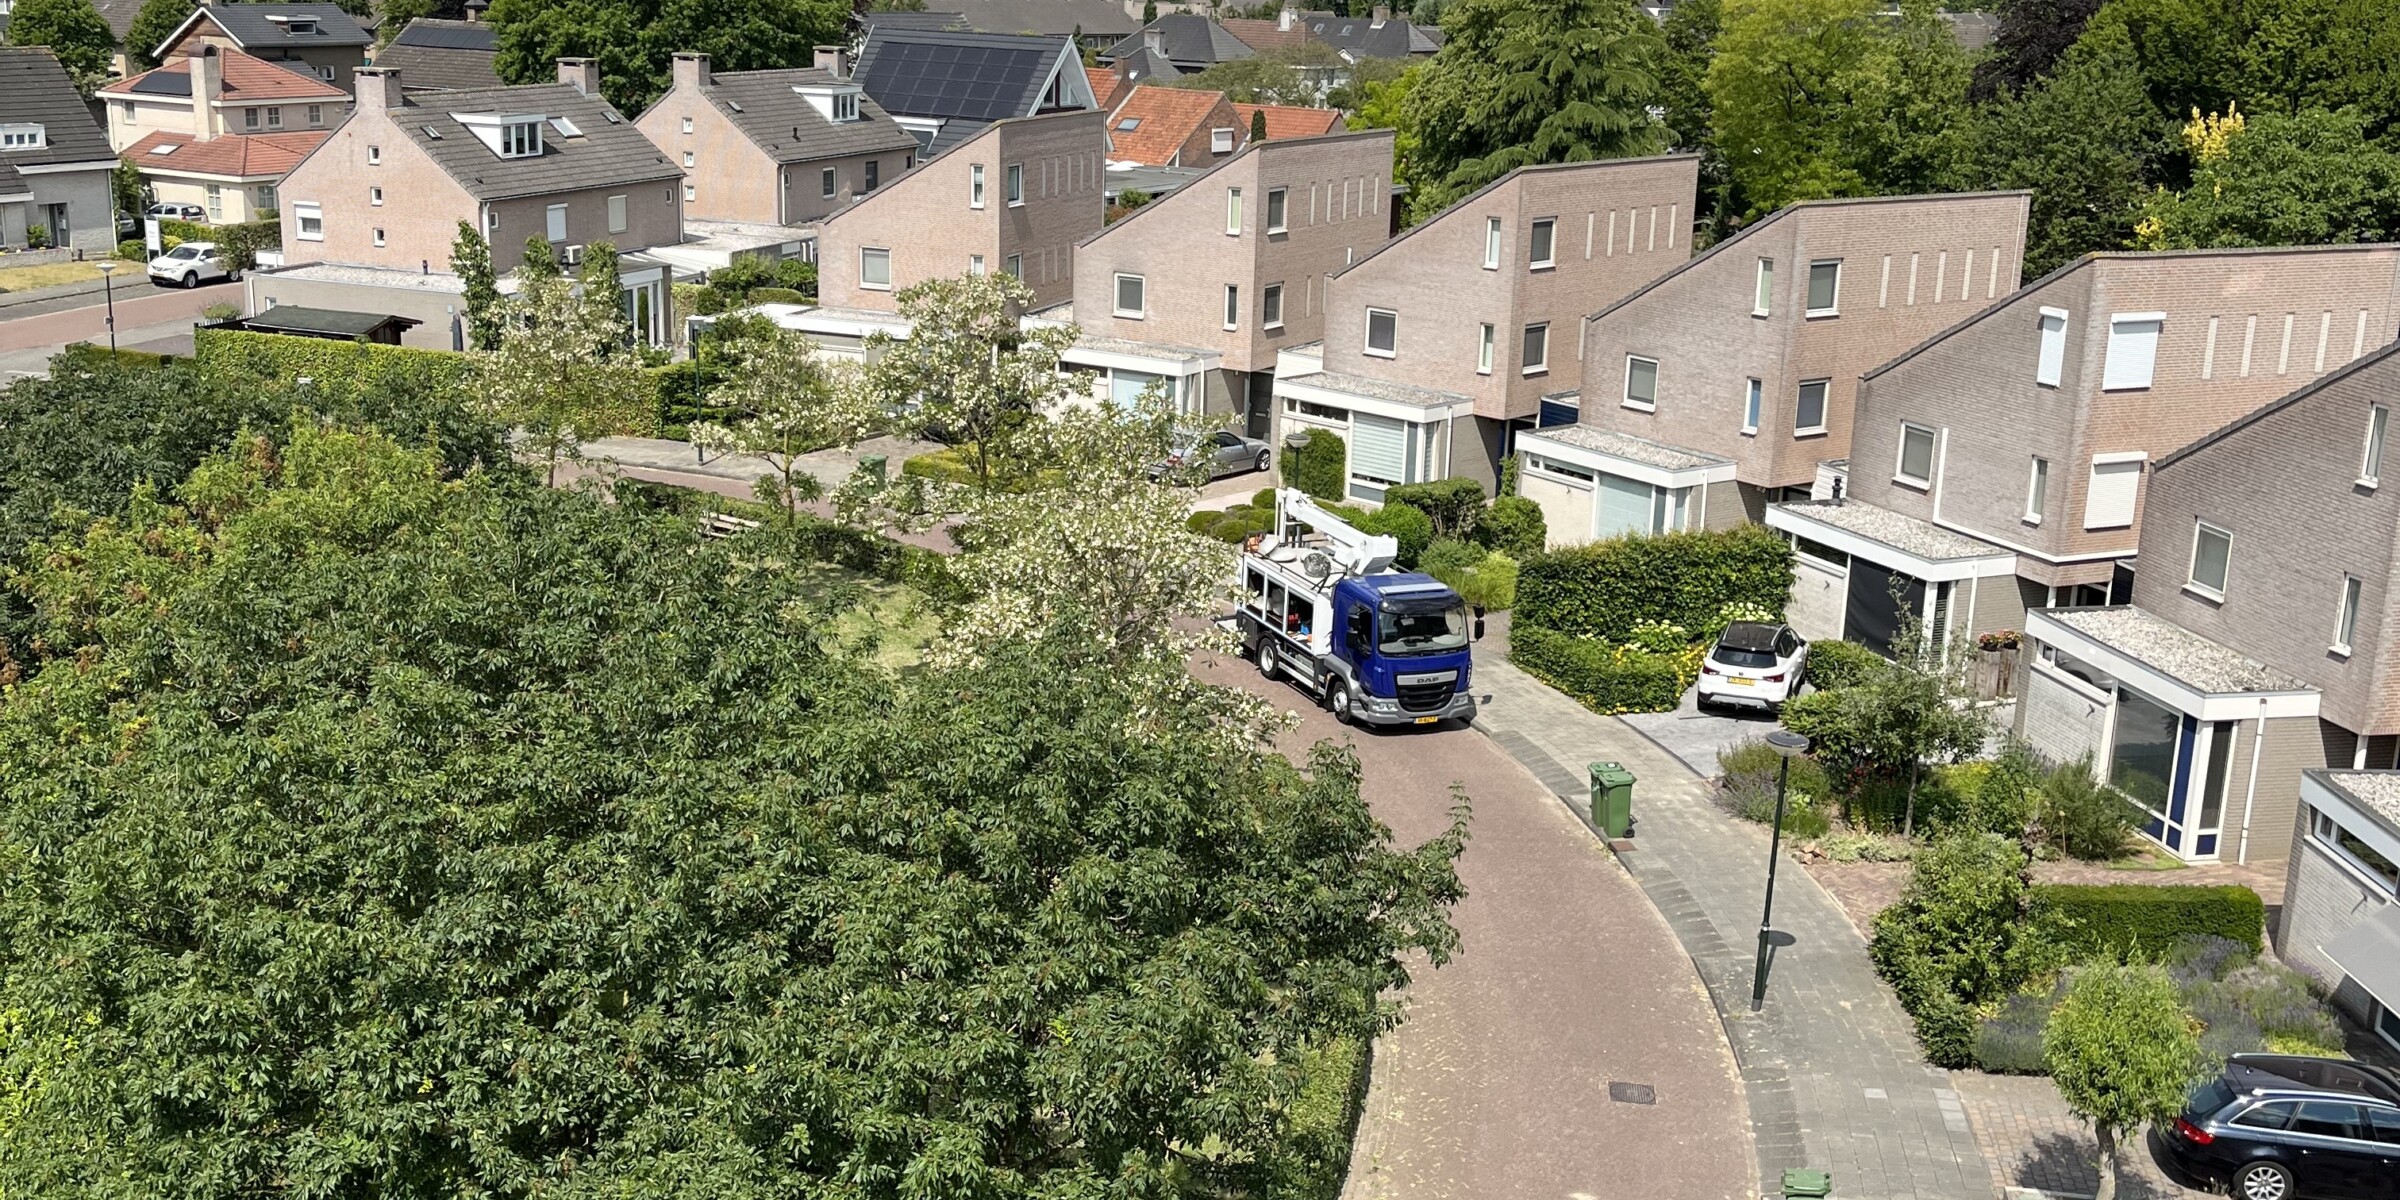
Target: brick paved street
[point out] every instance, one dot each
(1831, 1070)
(1497, 1085)
(2033, 1142)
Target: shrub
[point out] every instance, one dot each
(2010, 1041)
(1455, 505)
(1406, 525)
(1606, 588)
(1264, 498)
(1727, 614)
(1850, 845)
(2080, 816)
(341, 368)
(2138, 921)
(1514, 526)
(1838, 664)
(2205, 958)
(1320, 466)
(1485, 578)
(1605, 678)
(1450, 555)
(1659, 637)
(1747, 787)
(1312, 1159)
(133, 250)
(1959, 937)
(1198, 522)
(2004, 799)
(1233, 528)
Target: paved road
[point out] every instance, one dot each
(144, 314)
(1567, 980)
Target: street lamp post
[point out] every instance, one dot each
(108, 269)
(1789, 746)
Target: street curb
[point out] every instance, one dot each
(64, 291)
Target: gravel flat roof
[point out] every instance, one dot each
(1901, 532)
(2378, 792)
(2169, 648)
(1381, 389)
(417, 281)
(1630, 447)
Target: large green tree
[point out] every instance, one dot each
(2123, 1052)
(73, 30)
(155, 22)
(2264, 55)
(636, 40)
(1521, 82)
(2086, 141)
(2306, 179)
(405, 837)
(1690, 31)
(2032, 36)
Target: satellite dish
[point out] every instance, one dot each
(1317, 565)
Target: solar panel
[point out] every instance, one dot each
(164, 83)
(443, 38)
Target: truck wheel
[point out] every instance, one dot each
(1337, 698)
(1266, 659)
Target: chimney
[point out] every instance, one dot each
(1154, 40)
(1285, 18)
(691, 71)
(1383, 13)
(208, 87)
(582, 74)
(834, 61)
(378, 88)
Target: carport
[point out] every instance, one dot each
(1861, 571)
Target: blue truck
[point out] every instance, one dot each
(1322, 607)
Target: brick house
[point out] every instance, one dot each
(369, 217)
(1290, 121)
(775, 147)
(2341, 894)
(1998, 467)
(1204, 288)
(1751, 351)
(219, 128)
(1016, 197)
(946, 87)
(54, 161)
(313, 39)
(1174, 127)
(1439, 345)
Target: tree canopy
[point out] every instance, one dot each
(2313, 177)
(2123, 1052)
(636, 40)
(155, 22)
(73, 30)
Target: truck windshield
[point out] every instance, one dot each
(1424, 628)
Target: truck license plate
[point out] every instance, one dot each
(1427, 720)
(1741, 682)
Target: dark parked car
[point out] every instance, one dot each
(2283, 1127)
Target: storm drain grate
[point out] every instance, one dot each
(1632, 1093)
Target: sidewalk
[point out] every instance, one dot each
(1830, 1068)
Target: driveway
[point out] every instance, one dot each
(1567, 980)
(1696, 738)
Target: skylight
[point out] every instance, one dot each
(565, 127)
(163, 151)
(1129, 124)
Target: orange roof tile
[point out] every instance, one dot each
(1265, 35)
(247, 80)
(1290, 121)
(1107, 88)
(238, 156)
(1164, 119)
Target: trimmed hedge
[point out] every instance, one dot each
(1312, 1160)
(1838, 664)
(1320, 467)
(1602, 676)
(1606, 588)
(2132, 921)
(88, 355)
(335, 366)
(1514, 526)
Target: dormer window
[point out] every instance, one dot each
(836, 103)
(521, 140)
(23, 137)
(845, 106)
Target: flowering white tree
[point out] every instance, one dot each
(566, 370)
(784, 401)
(970, 373)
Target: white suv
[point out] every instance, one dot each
(1753, 663)
(188, 265)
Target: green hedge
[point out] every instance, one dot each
(335, 366)
(88, 355)
(1602, 676)
(2137, 921)
(1455, 505)
(1606, 588)
(1320, 467)
(1312, 1160)
(1838, 664)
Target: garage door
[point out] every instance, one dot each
(1566, 508)
(1872, 616)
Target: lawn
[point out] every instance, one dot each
(25, 279)
(890, 622)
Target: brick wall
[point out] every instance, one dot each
(2321, 899)
(653, 217)
(734, 180)
(1909, 267)
(1065, 158)
(421, 209)
(1618, 225)
(2059, 721)
(2285, 486)
(1180, 247)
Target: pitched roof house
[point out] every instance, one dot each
(54, 161)
(319, 39)
(1174, 127)
(437, 55)
(371, 214)
(1091, 22)
(1286, 32)
(1379, 34)
(1289, 120)
(774, 147)
(947, 87)
(1107, 88)
(1188, 40)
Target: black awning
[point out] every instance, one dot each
(326, 322)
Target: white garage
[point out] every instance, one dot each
(1594, 484)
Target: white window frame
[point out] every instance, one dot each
(1116, 297)
(1278, 209)
(1233, 212)
(687, 124)
(316, 115)
(379, 237)
(1369, 340)
(864, 253)
(275, 116)
(2037, 489)
(2370, 459)
(1270, 306)
(1525, 343)
(616, 214)
(1536, 261)
(249, 118)
(1233, 306)
(2192, 582)
(375, 197)
(1489, 337)
(975, 185)
(304, 214)
(374, 156)
(1762, 295)
(1630, 400)
(2050, 350)
(1754, 403)
(2123, 376)
(1933, 446)
(215, 194)
(554, 221)
(830, 183)
(691, 192)
(1220, 140)
(687, 160)
(521, 139)
(974, 264)
(2345, 613)
(1491, 243)
(1833, 308)
(1824, 407)
(1016, 185)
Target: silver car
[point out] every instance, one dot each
(1226, 453)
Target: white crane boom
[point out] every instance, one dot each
(1355, 552)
